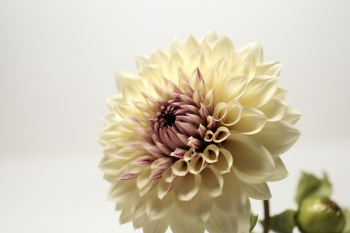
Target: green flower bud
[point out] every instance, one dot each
(320, 215)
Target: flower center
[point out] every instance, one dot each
(169, 119)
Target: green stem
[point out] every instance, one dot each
(267, 216)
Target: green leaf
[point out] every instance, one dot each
(311, 186)
(347, 221)
(253, 221)
(282, 223)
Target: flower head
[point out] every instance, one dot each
(193, 134)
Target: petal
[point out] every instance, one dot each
(233, 114)
(180, 167)
(138, 206)
(143, 177)
(179, 223)
(223, 48)
(186, 187)
(121, 189)
(292, 116)
(220, 222)
(277, 137)
(225, 161)
(158, 208)
(163, 188)
(125, 216)
(137, 222)
(233, 88)
(220, 111)
(258, 191)
(280, 172)
(211, 37)
(155, 226)
(275, 109)
(221, 134)
(196, 60)
(269, 68)
(234, 196)
(189, 46)
(259, 91)
(211, 153)
(212, 181)
(197, 209)
(252, 162)
(112, 166)
(197, 164)
(244, 220)
(281, 93)
(251, 121)
(141, 61)
(159, 58)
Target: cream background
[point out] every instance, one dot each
(57, 62)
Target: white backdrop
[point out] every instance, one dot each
(57, 65)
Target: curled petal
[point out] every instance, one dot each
(197, 165)
(180, 167)
(190, 154)
(211, 153)
(251, 121)
(225, 161)
(209, 136)
(221, 134)
(220, 111)
(234, 112)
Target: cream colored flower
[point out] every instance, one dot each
(194, 134)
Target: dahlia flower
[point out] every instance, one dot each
(195, 133)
